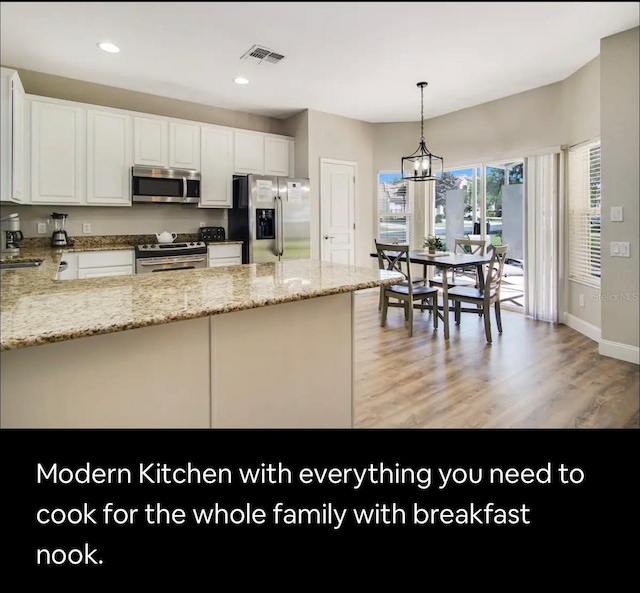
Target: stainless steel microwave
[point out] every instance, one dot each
(178, 186)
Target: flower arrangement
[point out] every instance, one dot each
(434, 244)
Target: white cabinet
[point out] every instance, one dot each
(151, 142)
(95, 264)
(216, 181)
(276, 156)
(101, 272)
(249, 152)
(12, 105)
(184, 146)
(58, 153)
(225, 255)
(108, 158)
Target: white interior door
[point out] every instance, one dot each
(337, 211)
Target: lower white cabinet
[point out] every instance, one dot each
(225, 255)
(106, 271)
(95, 264)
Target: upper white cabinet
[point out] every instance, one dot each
(216, 181)
(109, 158)
(12, 155)
(58, 154)
(184, 146)
(249, 152)
(151, 142)
(276, 156)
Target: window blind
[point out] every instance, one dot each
(394, 209)
(584, 213)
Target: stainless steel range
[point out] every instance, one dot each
(166, 257)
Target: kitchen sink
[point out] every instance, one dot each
(12, 265)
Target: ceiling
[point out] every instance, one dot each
(356, 59)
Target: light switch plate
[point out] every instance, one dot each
(617, 214)
(620, 249)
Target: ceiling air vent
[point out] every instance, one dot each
(260, 55)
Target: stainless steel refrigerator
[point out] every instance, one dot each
(270, 215)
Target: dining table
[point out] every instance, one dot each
(446, 261)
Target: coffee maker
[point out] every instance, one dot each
(59, 238)
(10, 235)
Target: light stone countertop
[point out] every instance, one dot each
(38, 309)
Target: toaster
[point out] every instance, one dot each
(211, 234)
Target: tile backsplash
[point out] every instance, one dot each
(139, 219)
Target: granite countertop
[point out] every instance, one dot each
(37, 309)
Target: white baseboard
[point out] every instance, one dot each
(606, 347)
(620, 351)
(587, 329)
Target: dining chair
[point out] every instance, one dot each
(383, 263)
(392, 257)
(486, 295)
(465, 276)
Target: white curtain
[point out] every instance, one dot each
(542, 236)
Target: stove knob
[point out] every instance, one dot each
(144, 246)
(191, 243)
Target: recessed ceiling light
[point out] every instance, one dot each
(110, 47)
(240, 80)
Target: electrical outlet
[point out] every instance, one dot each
(86, 227)
(581, 300)
(42, 228)
(202, 224)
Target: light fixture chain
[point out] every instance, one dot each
(422, 113)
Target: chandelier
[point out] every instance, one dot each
(420, 165)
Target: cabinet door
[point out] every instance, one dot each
(216, 182)
(151, 142)
(108, 158)
(225, 261)
(58, 154)
(249, 153)
(276, 156)
(17, 163)
(184, 146)
(100, 272)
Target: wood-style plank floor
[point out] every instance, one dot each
(534, 375)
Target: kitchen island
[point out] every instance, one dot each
(245, 346)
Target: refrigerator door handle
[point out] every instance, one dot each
(280, 232)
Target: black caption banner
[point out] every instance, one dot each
(103, 501)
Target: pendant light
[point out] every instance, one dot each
(420, 165)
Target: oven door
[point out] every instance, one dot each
(169, 264)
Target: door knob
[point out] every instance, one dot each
(328, 237)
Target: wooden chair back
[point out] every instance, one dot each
(493, 277)
(470, 246)
(390, 257)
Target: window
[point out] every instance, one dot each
(584, 213)
(394, 209)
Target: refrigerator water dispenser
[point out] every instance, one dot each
(265, 223)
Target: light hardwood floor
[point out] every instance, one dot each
(534, 375)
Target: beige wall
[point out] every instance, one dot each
(345, 139)
(619, 122)
(139, 219)
(298, 127)
(581, 114)
(581, 103)
(503, 128)
(48, 85)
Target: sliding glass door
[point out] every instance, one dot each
(485, 202)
